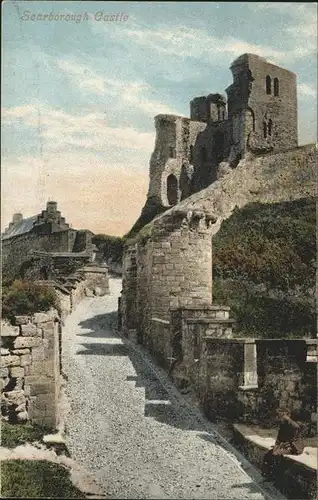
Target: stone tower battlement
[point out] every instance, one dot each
(259, 116)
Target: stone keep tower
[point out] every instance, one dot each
(262, 107)
(171, 164)
(260, 116)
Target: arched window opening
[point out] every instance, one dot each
(264, 130)
(268, 85)
(191, 154)
(270, 127)
(276, 87)
(172, 152)
(172, 189)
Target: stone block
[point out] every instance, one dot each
(14, 397)
(29, 330)
(43, 368)
(41, 405)
(4, 352)
(48, 327)
(27, 390)
(39, 384)
(25, 359)
(22, 320)
(22, 342)
(16, 371)
(20, 408)
(21, 351)
(38, 353)
(4, 372)
(9, 330)
(41, 317)
(10, 361)
(22, 416)
(19, 383)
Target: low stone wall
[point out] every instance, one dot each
(31, 352)
(248, 379)
(96, 280)
(30, 369)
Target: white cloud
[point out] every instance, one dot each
(83, 77)
(188, 42)
(300, 27)
(298, 34)
(127, 93)
(61, 130)
(306, 90)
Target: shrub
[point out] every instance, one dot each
(110, 246)
(273, 244)
(27, 297)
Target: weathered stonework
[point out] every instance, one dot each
(44, 246)
(259, 117)
(225, 156)
(34, 370)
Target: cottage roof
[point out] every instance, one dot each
(24, 226)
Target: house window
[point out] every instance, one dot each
(268, 85)
(276, 86)
(172, 152)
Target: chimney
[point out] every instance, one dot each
(51, 207)
(17, 218)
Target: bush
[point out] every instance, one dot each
(274, 244)
(258, 315)
(27, 297)
(110, 246)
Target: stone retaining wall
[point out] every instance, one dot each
(248, 379)
(30, 371)
(30, 368)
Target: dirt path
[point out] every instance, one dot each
(130, 427)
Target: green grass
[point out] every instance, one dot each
(36, 479)
(13, 435)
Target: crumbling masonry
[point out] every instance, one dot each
(226, 155)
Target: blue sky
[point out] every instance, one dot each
(79, 95)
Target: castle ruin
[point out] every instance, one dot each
(226, 155)
(259, 116)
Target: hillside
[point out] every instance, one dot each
(264, 265)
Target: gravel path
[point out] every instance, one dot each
(130, 427)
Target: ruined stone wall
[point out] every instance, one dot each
(277, 373)
(16, 250)
(30, 369)
(174, 137)
(96, 280)
(264, 179)
(129, 290)
(262, 107)
(287, 377)
(171, 269)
